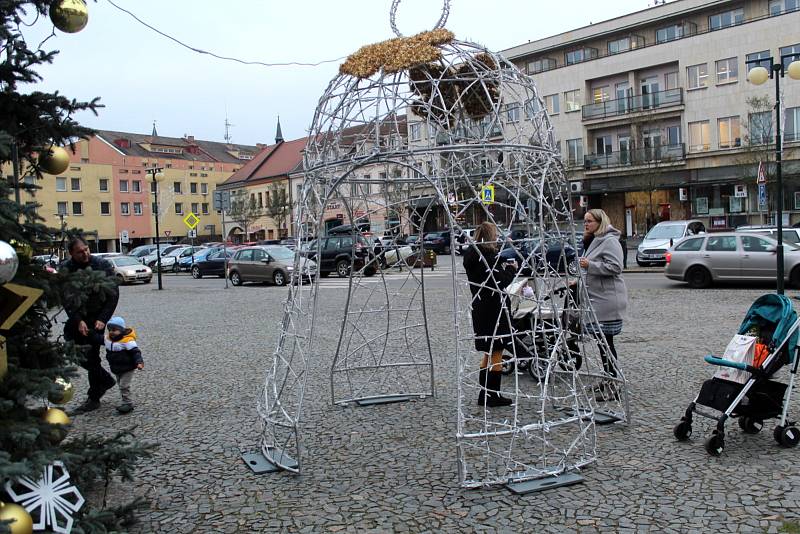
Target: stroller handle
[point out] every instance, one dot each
(713, 360)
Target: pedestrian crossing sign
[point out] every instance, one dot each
(487, 194)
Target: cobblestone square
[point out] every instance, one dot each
(392, 468)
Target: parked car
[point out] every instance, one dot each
(413, 241)
(141, 251)
(736, 256)
(212, 263)
(272, 263)
(151, 258)
(185, 262)
(790, 235)
(48, 261)
(336, 254)
(555, 249)
(128, 269)
(289, 242)
(439, 242)
(653, 249)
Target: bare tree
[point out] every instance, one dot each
(759, 143)
(244, 210)
(278, 207)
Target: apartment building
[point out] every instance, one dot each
(107, 192)
(656, 119)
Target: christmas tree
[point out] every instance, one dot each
(35, 366)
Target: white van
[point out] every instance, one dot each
(662, 236)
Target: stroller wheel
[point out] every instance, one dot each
(750, 425)
(787, 436)
(682, 431)
(715, 445)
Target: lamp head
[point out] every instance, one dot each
(794, 70)
(158, 176)
(758, 75)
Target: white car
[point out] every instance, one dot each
(128, 269)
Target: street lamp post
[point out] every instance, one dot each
(758, 75)
(156, 175)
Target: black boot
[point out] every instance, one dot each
(482, 383)
(494, 398)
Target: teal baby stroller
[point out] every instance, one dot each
(757, 397)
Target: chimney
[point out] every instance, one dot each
(190, 138)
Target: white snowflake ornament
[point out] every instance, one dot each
(51, 500)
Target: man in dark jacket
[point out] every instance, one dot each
(85, 325)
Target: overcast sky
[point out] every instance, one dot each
(142, 76)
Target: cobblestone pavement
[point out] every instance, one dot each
(392, 468)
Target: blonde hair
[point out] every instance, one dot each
(603, 221)
(486, 236)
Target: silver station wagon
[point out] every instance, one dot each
(703, 260)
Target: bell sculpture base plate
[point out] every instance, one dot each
(259, 464)
(541, 484)
(383, 400)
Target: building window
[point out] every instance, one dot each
(697, 76)
(760, 129)
(137, 208)
(104, 185)
(758, 59)
(192, 174)
(105, 208)
(154, 187)
(61, 184)
(195, 207)
(699, 136)
(671, 80)
(136, 186)
(75, 184)
(416, 131)
(574, 152)
(260, 200)
(726, 19)
(62, 208)
(600, 94)
(791, 131)
(673, 135)
(193, 188)
(77, 208)
(577, 56)
(541, 65)
(625, 44)
(727, 70)
(572, 100)
(532, 107)
(670, 33)
(728, 131)
(776, 7)
(176, 188)
(204, 189)
(551, 103)
(153, 207)
(512, 112)
(205, 208)
(125, 208)
(179, 208)
(786, 50)
(203, 175)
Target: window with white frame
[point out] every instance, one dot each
(513, 112)
(62, 208)
(104, 185)
(600, 94)
(195, 207)
(551, 104)
(776, 7)
(760, 128)
(179, 208)
(75, 184)
(697, 76)
(77, 208)
(728, 70)
(61, 184)
(416, 131)
(137, 208)
(670, 80)
(620, 45)
(791, 132)
(786, 51)
(670, 33)
(123, 186)
(728, 132)
(193, 188)
(574, 152)
(758, 59)
(572, 100)
(205, 208)
(125, 208)
(176, 188)
(204, 189)
(726, 19)
(532, 107)
(699, 136)
(136, 186)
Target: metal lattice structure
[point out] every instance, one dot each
(406, 150)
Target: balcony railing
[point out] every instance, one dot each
(639, 156)
(633, 104)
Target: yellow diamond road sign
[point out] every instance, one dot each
(191, 221)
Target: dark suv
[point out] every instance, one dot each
(439, 242)
(339, 253)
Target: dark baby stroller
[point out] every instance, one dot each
(759, 397)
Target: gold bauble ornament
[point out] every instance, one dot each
(23, 522)
(54, 160)
(69, 16)
(56, 416)
(67, 391)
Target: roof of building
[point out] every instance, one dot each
(205, 150)
(273, 161)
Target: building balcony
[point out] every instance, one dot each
(633, 104)
(641, 157)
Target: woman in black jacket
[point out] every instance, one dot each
(490, 314)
